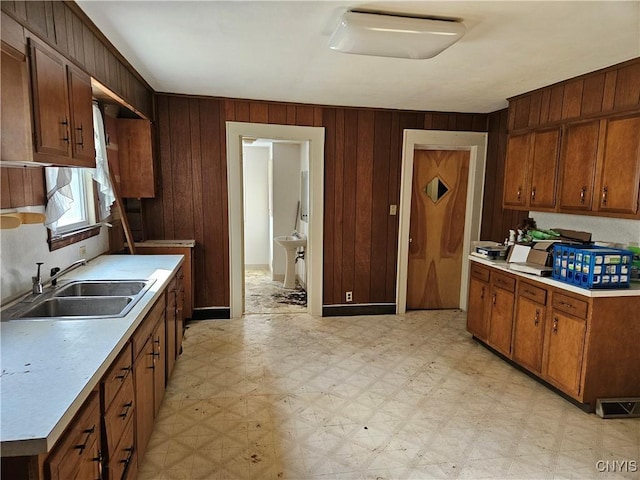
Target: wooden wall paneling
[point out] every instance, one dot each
(393, 198)
(5, 188)
(464, 122)
(242, 111)
(382, 164)
(181, 169)
(555, 103)
(339, 211)
(608, 97)
(277, 114)
(479, 122)
(545, 105)
(439, 121)
(39, 16)
(153, 208)
(592, 94)
(18, 195)
(304, 116)
(60, 26)
(522, 112)
(258, 112)
(100, 61)
(113, 71)
(89, 50)
(317, 116)
(68, 29)
(38, 186)
(196, 188)
(572, 99)
(627, 87)
(291, 114)
(230, 110)
(364, 206)
(534, 109)
(78, 39)
(224, 217)
(329, 121)
(349, 200)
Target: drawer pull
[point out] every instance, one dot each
(129, 451)
(529, 292)
(126, 371)
(568, 305)
(536, 320)
(533, 195)
(494, 298)
(605, 193)
(89, 432)
(127, 406)
(482, 294)
(519, 192)
(583, 191)
(555, 325)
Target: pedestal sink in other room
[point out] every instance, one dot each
(290, 244)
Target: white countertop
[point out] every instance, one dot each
(49, 367)
(632, 291)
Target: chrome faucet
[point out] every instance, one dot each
(37, 280)
(56, 272)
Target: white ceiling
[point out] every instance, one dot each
(278, 50)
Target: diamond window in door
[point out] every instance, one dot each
(436, 189)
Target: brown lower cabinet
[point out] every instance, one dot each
(110, 432)
(585, 346)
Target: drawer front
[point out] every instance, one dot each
(123, 458)
(479, 272)
(503, 281)
(77, 445)
(570, 305)
(537, 294)
(116, 376)
(147, 326)
(117, 417)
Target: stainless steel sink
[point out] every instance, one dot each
(79, 307)
(81, 299)
(96, 288)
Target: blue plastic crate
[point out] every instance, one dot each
(591, 267)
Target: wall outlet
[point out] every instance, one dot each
(83, 250)
(349, 296)
(393, 209)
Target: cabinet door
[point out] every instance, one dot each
(516, 170)
(620, 177)
(578, 165)
(477, 310)
(501, 320)
(143, 372)
(565, 349)
(136, 159)
(159, 365)
(50, 102)
(80, 98)
(544, 159)
(528, 334)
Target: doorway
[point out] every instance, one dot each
(475, 143)
(438, 208)
(236, 131)
(274, 176)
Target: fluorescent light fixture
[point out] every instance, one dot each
(388, 35)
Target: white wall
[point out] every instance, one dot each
(257, 237)
(603, 229)
(286, 192)
(22, 247)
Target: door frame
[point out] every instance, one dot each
(476, 144)
(315, 137)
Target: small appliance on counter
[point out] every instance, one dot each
(490, 250)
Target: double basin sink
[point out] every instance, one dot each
(83, 299)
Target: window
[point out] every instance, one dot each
(71, 193)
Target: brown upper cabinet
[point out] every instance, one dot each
(531, 169)
(62, 111)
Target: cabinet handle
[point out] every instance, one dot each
(529, 291)
(482, 294)
(555, 325)
(65, 122)
(126, 371)
(519, 192)
(583, 192)
(605, 194)
(568, 305)
(533, 195)
(89, 432)
(494, 298)
(127, 406)
(81, 142)
(129, 451)
(536, 321)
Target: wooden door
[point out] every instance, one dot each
(135, 155)
(544, 169)
(501, 320)
(620, 178)
(159, 365)
(529, 333)
(438, 208)
(143, 381)
(517, 170)
(50, 102)
(477, 309)
(565, 349)
(80, 100)
(578, 165)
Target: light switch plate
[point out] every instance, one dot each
(393, 209)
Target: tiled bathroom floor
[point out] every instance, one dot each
(372, 397)
(263, 295)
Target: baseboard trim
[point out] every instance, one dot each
(211, 313)
(363, 309)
